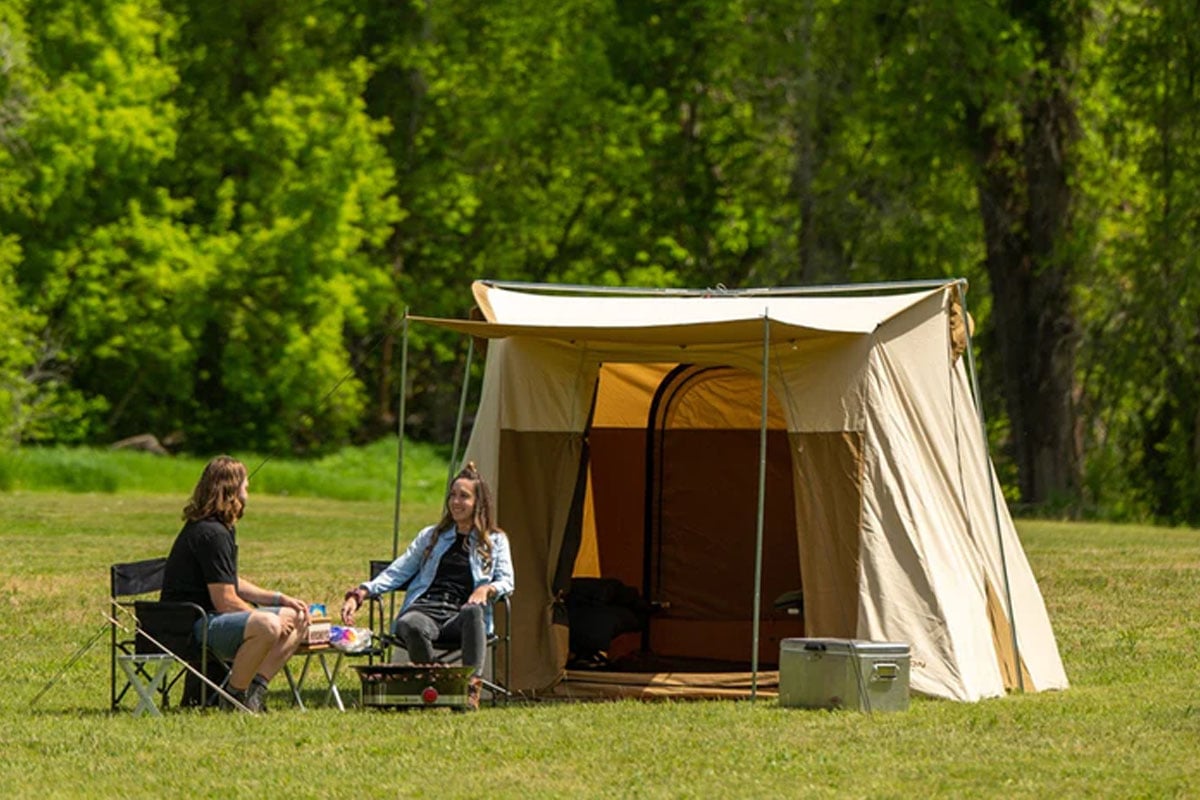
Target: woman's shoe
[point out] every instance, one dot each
(474, 685)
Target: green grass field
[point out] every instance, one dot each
(1122, 600)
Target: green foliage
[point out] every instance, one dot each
(222, 316)
(103, 260)
(36, 400)
(268, 142)
(1143, 341)
(213, 216)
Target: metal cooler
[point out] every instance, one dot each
(843, 673)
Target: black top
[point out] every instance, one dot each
(204, 552)
(452, 584)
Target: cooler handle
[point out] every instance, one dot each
(885, 671)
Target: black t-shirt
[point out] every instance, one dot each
(204, 552)
(452, 584)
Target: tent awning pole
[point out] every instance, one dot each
(400, 433)
(462, 409)
(1012, 616)
(762, 495)
(720, 291)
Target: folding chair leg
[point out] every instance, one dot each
(495, 688)
(146, 689)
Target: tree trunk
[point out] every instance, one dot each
(1025, 198)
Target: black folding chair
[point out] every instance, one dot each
(449, 651)
(157, 627)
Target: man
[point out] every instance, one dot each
(256, 628)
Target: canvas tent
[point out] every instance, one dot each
(624, 436)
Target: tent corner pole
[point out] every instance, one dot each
(1012, 615)
(400, 412)
(762, 494)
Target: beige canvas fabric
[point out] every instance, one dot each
(892, 508)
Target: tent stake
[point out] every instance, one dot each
(762, 494)
(462, 408)
(1012, 616)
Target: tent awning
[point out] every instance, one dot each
(857, 314)
(680, 321)
(734, 332)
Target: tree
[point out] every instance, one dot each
(36, 400)
(96, 230)
(997, 84)
(1143, 339)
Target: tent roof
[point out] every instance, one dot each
(675, 319)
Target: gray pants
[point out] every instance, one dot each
(420, 629)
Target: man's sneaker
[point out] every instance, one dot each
(237, 694)
(256, 697)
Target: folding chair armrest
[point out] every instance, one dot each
(506, 601)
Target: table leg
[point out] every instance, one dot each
(297, 685)
(332, 677)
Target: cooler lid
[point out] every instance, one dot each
(844, 647)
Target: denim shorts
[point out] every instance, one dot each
(227, 631)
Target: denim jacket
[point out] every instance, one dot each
(413, 569)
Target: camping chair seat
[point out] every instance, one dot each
(448, 651)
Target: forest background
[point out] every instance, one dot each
(210, 214)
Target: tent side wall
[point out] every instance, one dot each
(528, 440)
(921, 583)
(828, 521)
(1039, 657)
(931, 571)
(819, 382)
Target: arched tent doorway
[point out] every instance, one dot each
(671, 510)
(702, 490)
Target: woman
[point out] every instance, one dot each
(453, 571)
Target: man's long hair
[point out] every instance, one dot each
(216, 493)
(485, 522)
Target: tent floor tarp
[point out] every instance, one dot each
(597, 685)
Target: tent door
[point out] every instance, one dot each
(701, 502)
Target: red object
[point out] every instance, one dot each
(430, 694)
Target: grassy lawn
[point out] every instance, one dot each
(1122, 600)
